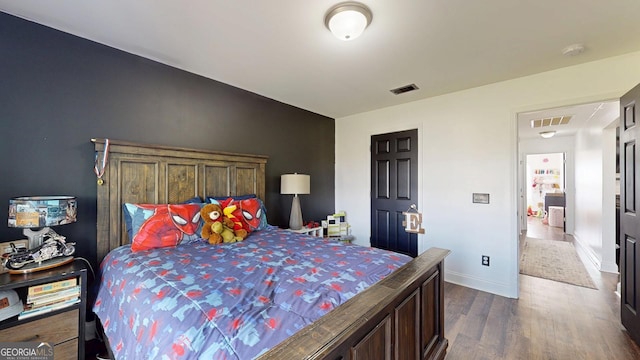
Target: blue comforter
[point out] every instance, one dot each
(230, 301)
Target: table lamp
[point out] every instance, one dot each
(295, 184)
(35, 215)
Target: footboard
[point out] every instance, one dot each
(401, 317)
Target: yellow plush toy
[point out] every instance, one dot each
(229, 213)
(217, 227)
(225, 232)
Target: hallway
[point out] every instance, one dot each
(536, 229)
(550, 320)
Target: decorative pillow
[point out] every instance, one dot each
(237, 197)
(194, 200)
(153, 226)
(250, 211)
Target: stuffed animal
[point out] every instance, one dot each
(218, 227)
(212, 214)
(225, 232)
(232, 212)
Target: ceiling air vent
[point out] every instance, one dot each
(558, 120)
(404, 89)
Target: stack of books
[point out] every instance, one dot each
(51, 296)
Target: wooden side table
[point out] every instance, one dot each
(62, 328)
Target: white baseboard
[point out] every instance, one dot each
(479, 284)
(610, 267)
(586, 251)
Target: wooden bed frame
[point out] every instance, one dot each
(400, 317)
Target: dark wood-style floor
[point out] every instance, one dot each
(550, 320)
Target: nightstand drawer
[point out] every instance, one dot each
(66, 350)
(53, 329)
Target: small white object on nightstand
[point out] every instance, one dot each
(316, 231)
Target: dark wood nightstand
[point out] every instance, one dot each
(62, 328)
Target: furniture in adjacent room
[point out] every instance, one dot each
(553, 199)
(399, 317)
(555, 202)
(556, 216)
(62, 328)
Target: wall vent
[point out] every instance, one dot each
(404, 89)
(558, 120)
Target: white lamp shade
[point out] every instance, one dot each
(295, 184)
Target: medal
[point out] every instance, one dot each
(98, 168)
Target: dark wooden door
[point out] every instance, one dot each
(629, 221)
(394, 188)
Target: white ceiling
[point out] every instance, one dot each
(585, 116)
(280, 48)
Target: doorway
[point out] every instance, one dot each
(588, 144)
(545, 174)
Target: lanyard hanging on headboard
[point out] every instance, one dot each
(413, 220)
(98, 167)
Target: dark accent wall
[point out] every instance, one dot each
(57, 91)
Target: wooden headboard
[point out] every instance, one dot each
(153, 174)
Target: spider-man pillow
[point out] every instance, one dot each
(153, 226)
(250, 206)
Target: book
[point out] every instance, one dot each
(45, 309)
(72, 293)
(51, 287)
(45, 304)
(39, 298)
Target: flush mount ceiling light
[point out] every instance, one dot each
(547, 134)
(348, 20)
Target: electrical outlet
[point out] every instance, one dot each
(485, 260)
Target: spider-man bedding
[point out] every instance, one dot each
(229, 301)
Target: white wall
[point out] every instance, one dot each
(467, 143)
(588, 230)
(595, 196)
(609, 191)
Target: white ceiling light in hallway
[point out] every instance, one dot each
(547, 134)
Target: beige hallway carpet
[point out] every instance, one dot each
(554, 260)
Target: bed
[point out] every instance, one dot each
(381, 305)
